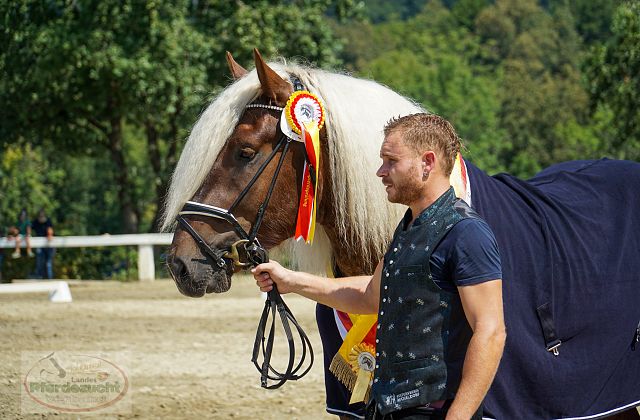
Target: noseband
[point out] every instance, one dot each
(256, 254)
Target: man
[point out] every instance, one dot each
(42, 226)
(437, 291)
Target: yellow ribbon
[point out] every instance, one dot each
(361, 326)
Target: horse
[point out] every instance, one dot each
(568, 237)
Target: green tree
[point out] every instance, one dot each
(24, 177)
(537, 52)
(382, 10)
(593, 18)
(508, 74)
(74, 73)
(101, 77)
(429, 58)
(466, 11)
(613, 74)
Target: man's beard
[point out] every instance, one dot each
(407, 191)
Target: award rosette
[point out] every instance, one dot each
(302, 119)
(354, 363)
(302, 107)
(363, 363)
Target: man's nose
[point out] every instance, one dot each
(381, 171)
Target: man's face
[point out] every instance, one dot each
(400, 171)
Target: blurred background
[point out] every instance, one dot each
(97, 97)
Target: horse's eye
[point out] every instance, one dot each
(247, 153)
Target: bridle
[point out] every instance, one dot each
(256, 254)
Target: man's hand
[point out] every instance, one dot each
(267, 274)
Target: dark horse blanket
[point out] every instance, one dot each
(569, 240)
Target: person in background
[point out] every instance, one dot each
(21, 229)
(2, 233)
(43, 227)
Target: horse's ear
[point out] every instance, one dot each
(273, 86)
(237, 71)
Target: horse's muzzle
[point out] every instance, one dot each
(194, 277)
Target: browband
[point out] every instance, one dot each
(297, 85)
(273, 107)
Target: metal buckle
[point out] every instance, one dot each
(553, 348)
(233, 254)
(256, 254)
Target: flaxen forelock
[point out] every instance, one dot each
(423, 132)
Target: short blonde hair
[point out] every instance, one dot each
(423, 132)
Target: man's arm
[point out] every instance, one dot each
(482, 305)
(357, 295)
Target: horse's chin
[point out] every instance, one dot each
(197, 284)
(220, 283)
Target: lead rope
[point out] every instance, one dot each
(273, 303)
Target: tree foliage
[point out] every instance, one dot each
(24, 177)
(105, 92)
(94, 77)
(507, 73)
(429, 58)
(98, 96)
(613, 72)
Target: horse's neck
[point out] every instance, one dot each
(347, 261)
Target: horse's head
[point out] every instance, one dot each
(253, 140)
(234, 137)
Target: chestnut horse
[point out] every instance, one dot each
(229, 143)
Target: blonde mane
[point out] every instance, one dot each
(357, 111)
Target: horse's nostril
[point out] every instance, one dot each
(177, 268)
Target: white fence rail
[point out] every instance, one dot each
(144, 242)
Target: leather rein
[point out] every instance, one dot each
(250, 247)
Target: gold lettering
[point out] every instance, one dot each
(306, 193)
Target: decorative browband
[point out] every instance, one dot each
(273, 107)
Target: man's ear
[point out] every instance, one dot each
(428, 161)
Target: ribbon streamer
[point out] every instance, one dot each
(306, 223)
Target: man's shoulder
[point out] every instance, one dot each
(470, 251)
(470, 230)
(463, 209)
(473, 224)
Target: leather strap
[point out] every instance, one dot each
(274, 303)
(552, 342)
